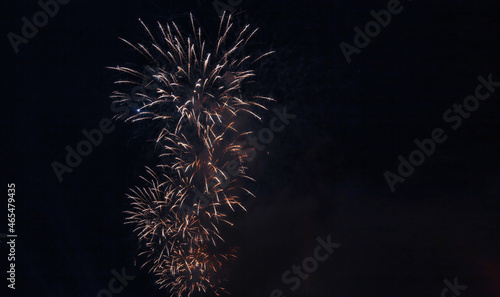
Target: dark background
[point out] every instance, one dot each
(322, 176)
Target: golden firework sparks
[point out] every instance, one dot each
(197, 98)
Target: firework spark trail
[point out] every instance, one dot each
(198, 102)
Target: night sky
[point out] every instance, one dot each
(325, 175)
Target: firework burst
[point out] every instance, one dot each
(197, 101)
